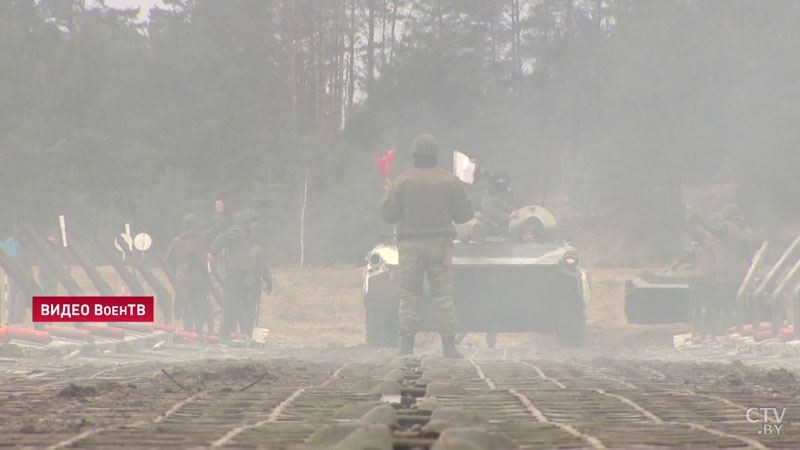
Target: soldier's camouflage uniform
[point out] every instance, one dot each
(187, 257)
(702, 284)
(424, 202)
(245, 271)
(496, 207)
(723, 260)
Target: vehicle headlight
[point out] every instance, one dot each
(375, 259)
(571, 259)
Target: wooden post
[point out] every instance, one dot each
(778, 268)
(796, 312)
(13, 270)
(163, 296)
(91, 271)
(124, 273)
(51, 261)
(778, 312)
(744, 296)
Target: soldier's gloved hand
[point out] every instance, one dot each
(514, 214)
(268, 283)
(210, 257)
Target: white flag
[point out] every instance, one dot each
(463, 168)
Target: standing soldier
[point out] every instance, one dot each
(498, 204)
(47, 279)
(221, 221)
(245, 272)
(19, 300)
(186, 257)
(424, 202)
(733, 251)
(702, 281)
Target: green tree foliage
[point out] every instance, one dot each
(279, 105)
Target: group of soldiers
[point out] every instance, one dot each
(720, 255)
(225, 250)
(494, 205)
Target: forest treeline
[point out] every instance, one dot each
(617, 108)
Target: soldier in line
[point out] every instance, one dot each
(702, 280)
(734, 246)
(18, 300)
(245, 271)
(186, 256)
(498, 204)
(47, 279)
(221, 221)
(424, 202)
(724, 251)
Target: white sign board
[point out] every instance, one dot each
(463, 168)
(142, 241)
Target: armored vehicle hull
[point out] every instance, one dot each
(657, 299)
(498, 287)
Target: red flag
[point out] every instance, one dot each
(384, 164)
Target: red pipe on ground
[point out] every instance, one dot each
(188, 335)
(26, 334)
(162, 327)
(138, 327)
(110, 332)
(77, 334)
(3, 333)
(763, 334)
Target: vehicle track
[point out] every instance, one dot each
(537, 402)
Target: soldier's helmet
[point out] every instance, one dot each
(190, 222)
(730, 211)
(425, 145)
(245, 217)
(500, 180)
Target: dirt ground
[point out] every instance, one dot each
(324, 306)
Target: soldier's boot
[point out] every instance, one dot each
(406, 344)
(449, 349)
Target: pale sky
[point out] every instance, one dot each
(145, 5)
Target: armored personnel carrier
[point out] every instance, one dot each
(529, 281)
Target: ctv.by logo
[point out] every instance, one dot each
(771, 419)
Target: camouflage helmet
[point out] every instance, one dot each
(246, 216)
(730, 211)
(190, 222)
(501, 176)
(425, 145)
